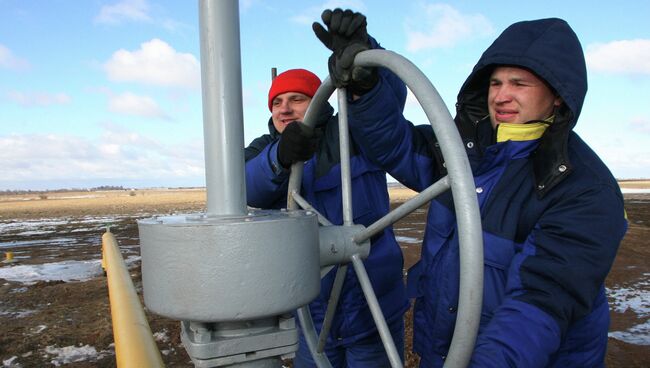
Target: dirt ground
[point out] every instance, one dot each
(65, 314)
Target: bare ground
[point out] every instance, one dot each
(58, 314)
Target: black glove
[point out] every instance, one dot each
(297, 143)
(346, 36)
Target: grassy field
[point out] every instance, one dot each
(159, 201)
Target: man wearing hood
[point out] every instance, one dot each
(552, 214)
(353, 340)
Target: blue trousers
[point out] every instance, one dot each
(366, 353)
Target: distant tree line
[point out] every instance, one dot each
(29, 191)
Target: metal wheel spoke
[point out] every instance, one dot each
(375, 310)
(297, 198)
(304, 316)
(333, 302)
(344, 144)
(306, 206)
(403, 210)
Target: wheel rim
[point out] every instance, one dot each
(459, 179)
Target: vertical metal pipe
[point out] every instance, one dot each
(223, 127)
(344, 144)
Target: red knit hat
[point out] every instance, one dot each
(294, 80)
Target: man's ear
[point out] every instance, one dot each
(558, 101)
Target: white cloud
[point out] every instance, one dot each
(116, 154)
(38, 98)
(641, 124)
(627, 156)
(620, 57)
(125, 10)
(131, 104)
(10, 61)
(155, 63)
(441, 25)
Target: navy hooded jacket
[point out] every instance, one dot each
(552, 214)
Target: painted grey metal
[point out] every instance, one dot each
(465, 201)
(332, 303)
(375, 310)
(337, 245)
(339, 278)
(298, 199)
(231, 343)
(344, 148)
(306, 206)
(407, 207)
(309, 333)
(223, 128)
(318, 102)
(205, 268)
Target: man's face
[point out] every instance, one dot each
(288, 107)
(518, 96)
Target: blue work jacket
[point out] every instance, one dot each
(552, 213)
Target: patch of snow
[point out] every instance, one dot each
(72, 354)
(64, 271)
(407, 239)
(637, 335)
(10, 362)
(19, 290)
(17, 314)
(35, 232)
(31, 243)
(635, 298)
(161, 336)
(85, 229)
(38, 329)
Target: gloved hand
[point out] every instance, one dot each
(297, 143)
(346, 36)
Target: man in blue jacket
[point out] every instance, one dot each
(353, 340)
(552, 213)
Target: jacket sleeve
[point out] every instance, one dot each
(390, 141)
(266, 179)
(554, 281)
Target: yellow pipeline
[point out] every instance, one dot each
(134, 343)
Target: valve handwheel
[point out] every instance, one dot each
(459, 179)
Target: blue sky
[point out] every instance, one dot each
(101, 92)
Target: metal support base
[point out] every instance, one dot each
(260, 343)
(229, 268)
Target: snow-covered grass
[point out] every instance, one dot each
(72, 354)
(634, 298)
(67, 271)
